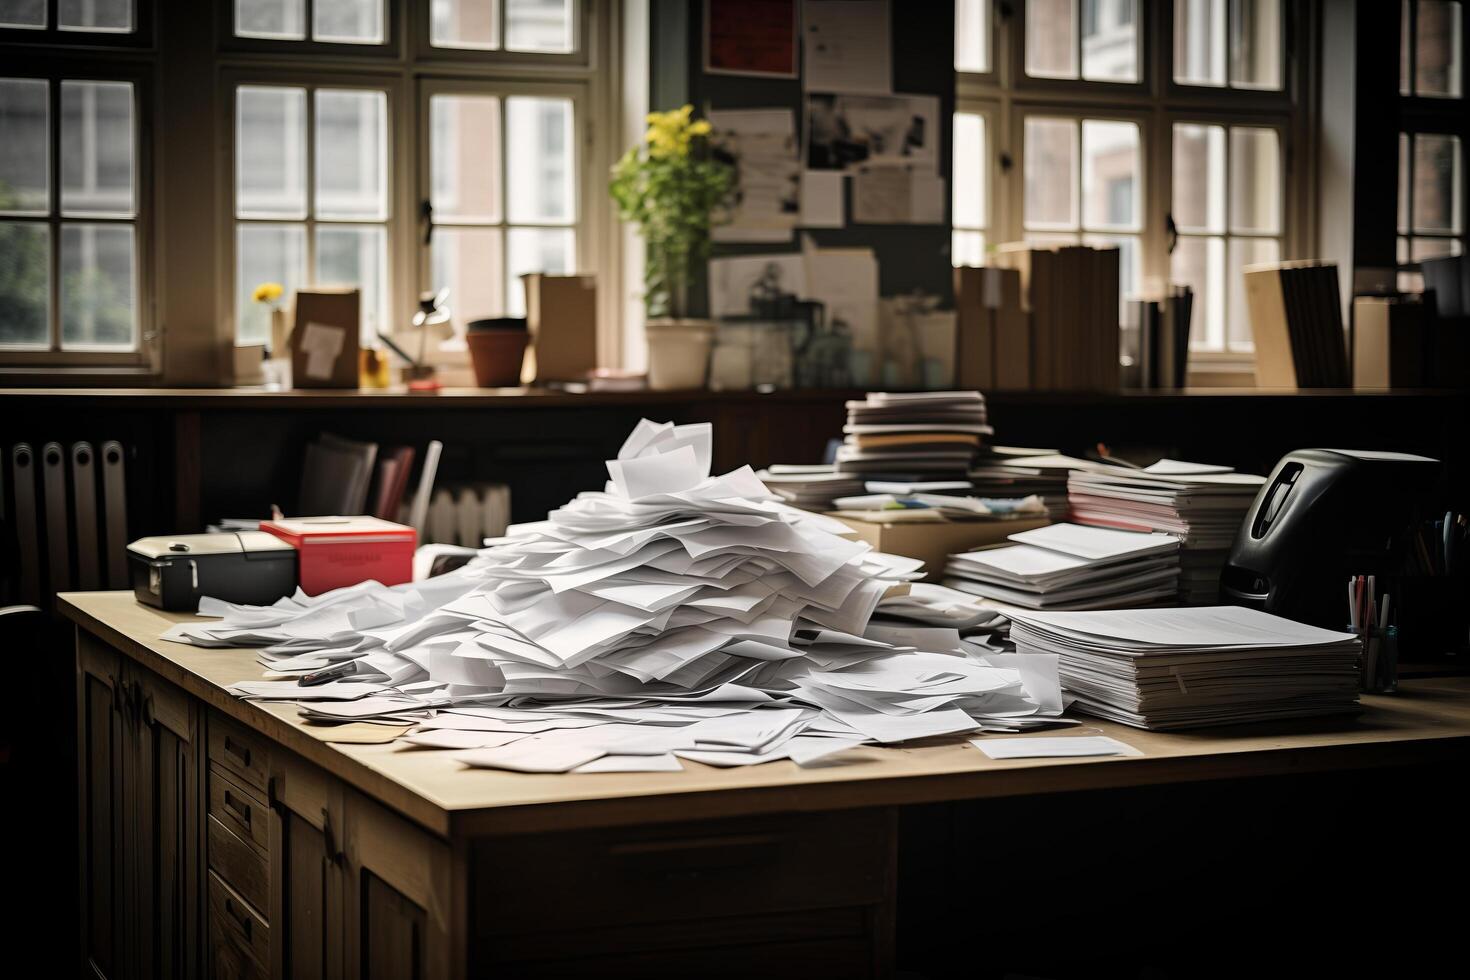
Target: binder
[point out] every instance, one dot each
(58, 547)
(115, 509)
(84, 504)
(23, 479)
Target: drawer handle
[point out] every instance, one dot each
(241, 752)
(240, 810)
(241, 917)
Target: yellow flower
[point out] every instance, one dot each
(700, 128)
(267, 292)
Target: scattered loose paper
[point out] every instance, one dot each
(1052, 748)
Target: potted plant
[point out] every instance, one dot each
(671, 187)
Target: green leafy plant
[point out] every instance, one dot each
(674, 191)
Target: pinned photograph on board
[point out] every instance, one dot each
(846, 131)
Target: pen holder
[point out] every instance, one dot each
(1379, 663)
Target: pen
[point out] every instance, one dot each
(333, 673)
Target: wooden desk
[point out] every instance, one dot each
(203, 815)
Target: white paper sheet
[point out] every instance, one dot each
(1052, 748)
(847, 46)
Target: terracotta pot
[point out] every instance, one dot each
(496, 356)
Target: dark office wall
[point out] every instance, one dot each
(909, 256)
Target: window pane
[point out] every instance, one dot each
(98, 276)
(539, 143)
(1051, 173)
(97, 148)
(972, 35)
(25, 284)
(357, 256)
(351, 154)
(1244, 252)
(1433, 248)
(94, 15)
(969, 170)
(1051, 51)
(1111, 180)
(1110, 40)
(22, 13)
(1130, 269)
(25, 155)
(1403, 212)
(967, 247)
(1404, 47)
(1199, 42)
(348, 21)
(265, 253)
(468, 261)
(1200, 264)
(1255, 44)
(550, 250)
(1199, 178)
(1437, 183)
(464, 157)
(1437, 49)
(270, 152)
(464, 24)
(538, 25)
(1255, 180)
(277, 19)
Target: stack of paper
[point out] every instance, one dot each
(1183, 668)
(1202, 504)
(1009, 472)
(672, 615)
(810, 487)
(930, 506)
(1067, 566)
(922, 435)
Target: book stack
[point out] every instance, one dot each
(346, 477)
(1072, 294)
(1010, 472)
(1067, 566)
(992, 331)
(1167, 669)
(1163, 338)
(1296, 321)
(1203, 505)
(810, 487)
(920, 436)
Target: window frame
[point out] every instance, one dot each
(139, 74)
(139, 38)
(391, 47)
(1157, 102)
(581, 57)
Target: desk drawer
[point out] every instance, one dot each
(238, 750)
(232, 918)
(683, 871)
(239, 864)
(240, 809)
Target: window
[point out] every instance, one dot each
(68, 215)
(90, 16)
(1430, 208)
(1430, 60)
(1165, 130)
(540, 26)
(311, 197)
(503, 196)
(1227, 215)
(331, 21)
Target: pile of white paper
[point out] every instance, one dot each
(916, 436)
(1012, 472)
(1068, 566)
(1200, 503)
(1182, 668)
(671, 615)
(809, 486)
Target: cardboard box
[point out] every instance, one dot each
(561, 314)
(324, 339)
(341, 551)
(933, 541)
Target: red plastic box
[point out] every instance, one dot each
(340, 551)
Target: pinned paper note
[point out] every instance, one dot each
(322, 344)
(822, 193)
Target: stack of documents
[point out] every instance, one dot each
(1202, 504)
(1010, 472)
(1183, 668)
(1067, 566)
(923, 435)
(932, 506)
(810, 487)
(673, 615)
